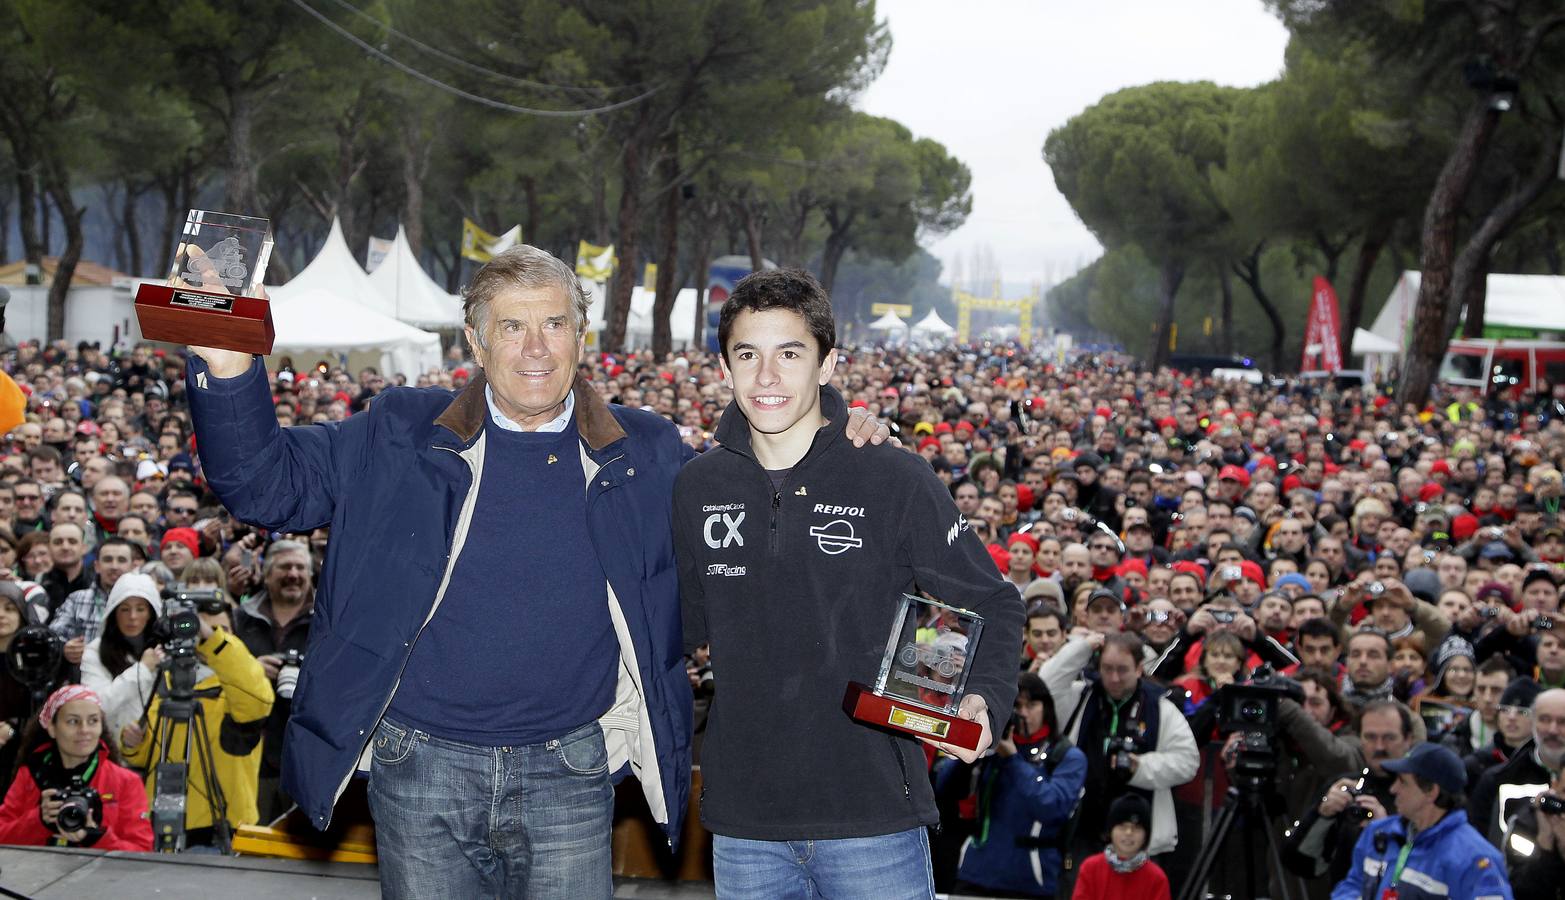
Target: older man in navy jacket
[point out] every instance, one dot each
(492, 676)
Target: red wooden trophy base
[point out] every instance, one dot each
(871, 708)
(180, 315)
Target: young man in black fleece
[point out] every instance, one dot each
(794, 550)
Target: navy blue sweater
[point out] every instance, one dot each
(522, 649)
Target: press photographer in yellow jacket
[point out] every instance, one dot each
(234, 698)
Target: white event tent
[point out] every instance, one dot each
(332, 307)
(889, 322)
(638, 325)
(932, 326)
(409, 295)
(1530, 302)
(314, 323)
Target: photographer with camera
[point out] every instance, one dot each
(1527, 773)
(1319, 845)
(72, 790)
(121, 663)
(1135, 738)
(274, 624)
(1023, 798)
(18, 687)
(233, 699)
(1534, 845)
(1427, 849)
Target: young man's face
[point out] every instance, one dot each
(773, 364)
(1044, 635)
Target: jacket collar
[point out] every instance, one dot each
(467, 411)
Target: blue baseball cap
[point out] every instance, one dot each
(1435, 763)
(1293, 578)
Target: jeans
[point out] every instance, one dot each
(887, 867)
(460, 820)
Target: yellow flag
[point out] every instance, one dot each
(594, 263)
(649, 277)
(481, 246)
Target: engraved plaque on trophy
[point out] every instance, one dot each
(923, 674)
(210, 298)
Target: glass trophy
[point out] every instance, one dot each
(923, 674)
(211, 296)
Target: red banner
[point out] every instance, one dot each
(1322, 341)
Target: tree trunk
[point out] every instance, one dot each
(1369, 252)
(1249, 272)
(1332, 253)
(1227, 324)
(27, 218)
(415, 164)
(668, 259)
(1475, 298)
(45, 221)
(132, 226)
(752, 235)
(627, 245)
(1431, 325)
(242, 195)
(534, 216)
(58, 185)
(1170, 277)
(836, 246)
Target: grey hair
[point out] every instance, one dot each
(523, 266)
(276, 552)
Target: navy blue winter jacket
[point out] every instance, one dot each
(397, 485)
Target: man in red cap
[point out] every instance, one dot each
(1232, 481)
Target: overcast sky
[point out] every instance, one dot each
(990, 79)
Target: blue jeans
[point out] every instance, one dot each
(888, 867)
(460, 820)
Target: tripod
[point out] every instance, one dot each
(1249, 798)
(179, 706)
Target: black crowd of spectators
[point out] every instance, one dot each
(1170, 535)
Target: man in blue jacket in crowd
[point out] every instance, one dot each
(1428, 849)
(492, 676)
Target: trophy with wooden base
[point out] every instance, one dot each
(211, 296)
(923, 674)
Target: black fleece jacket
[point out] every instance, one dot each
(795, 589)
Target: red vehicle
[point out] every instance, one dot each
(1497, 365)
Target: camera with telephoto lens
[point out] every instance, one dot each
(34, 656)
(288, 674)
(78, 803)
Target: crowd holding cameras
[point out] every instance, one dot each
(1173, 538)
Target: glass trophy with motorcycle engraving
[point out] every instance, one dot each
(923, 674)
(211, 297)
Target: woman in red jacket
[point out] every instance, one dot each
(76, 755)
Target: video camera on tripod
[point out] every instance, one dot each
(1251, 710)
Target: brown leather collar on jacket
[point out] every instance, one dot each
(468, 410)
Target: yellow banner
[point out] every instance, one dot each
(481, 246)
(594, 263)
(902, 310)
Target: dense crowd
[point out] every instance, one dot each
(1384, 576)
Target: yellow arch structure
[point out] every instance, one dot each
(966, 303)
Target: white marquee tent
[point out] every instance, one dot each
(933, 326)
(316, 323)
(409, 295)
(889, 322)
(638, 325)
(1531, 302)
(333, 271)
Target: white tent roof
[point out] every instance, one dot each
(319, 322)
(1534, 302)
(409, 295)
(1367, 342)
(933, 324)
(888, 322)
(336, 272)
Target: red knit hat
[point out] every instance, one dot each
(1463, 526)
(186, 536)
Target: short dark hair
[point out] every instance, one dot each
(1044, 610)
(1127, 641)
(1030, 688)
(790, 289)
(1495, 664)
(1318, 628)
(1404, 715)
(137, 552)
